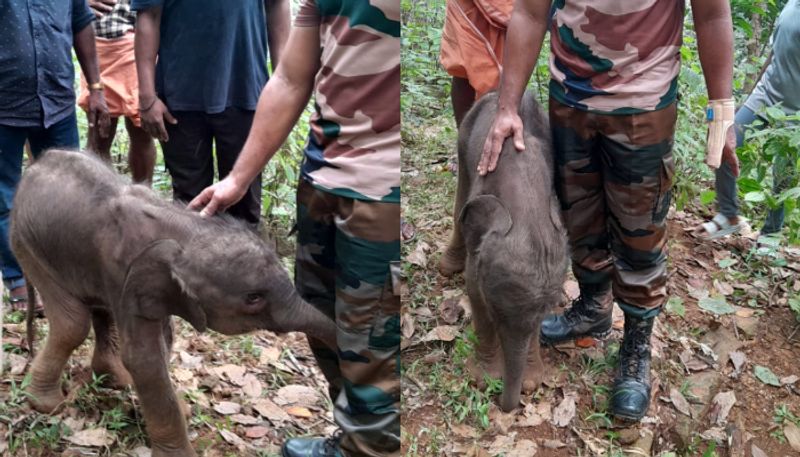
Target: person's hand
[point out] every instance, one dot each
(153, 114)
(505, 124)
(97, 112)
(102, 7)
(218, 197)
(729, 151)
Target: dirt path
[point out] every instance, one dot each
(707, 399)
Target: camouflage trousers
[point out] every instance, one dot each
(614, 179)
(348, 254)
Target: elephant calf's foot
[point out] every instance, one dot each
(452, 261)
(533, 377)
(186, 451)
(117, 377)
(480, 369)
(46, 400)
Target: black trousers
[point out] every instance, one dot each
(190, 160)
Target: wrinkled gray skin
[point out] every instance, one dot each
(515, 244)
(112, 255)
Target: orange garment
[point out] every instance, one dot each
(118, 74)
(473, 39)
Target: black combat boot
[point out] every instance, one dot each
(312, 447)
(630, 397)
(585, 317)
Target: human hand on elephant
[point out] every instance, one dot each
(506, 123)
(218, 197)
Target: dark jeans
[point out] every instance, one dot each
(63, 134)
(727, 201)
(189, 155)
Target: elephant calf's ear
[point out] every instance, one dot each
(154, 289)
(484, 215)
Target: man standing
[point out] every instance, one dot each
(348, 206)
(614, 68)
(114, 41)
(37, 99)
(779, 84)
(200, 98)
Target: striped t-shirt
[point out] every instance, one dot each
(616, 57)
(353, 148)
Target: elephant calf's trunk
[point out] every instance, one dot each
(302, 316)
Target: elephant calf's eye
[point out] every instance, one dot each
(254, 298)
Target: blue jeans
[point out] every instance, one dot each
(726, 183)
(62, 134)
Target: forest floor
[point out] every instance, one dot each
(725, 371)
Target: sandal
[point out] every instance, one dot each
(18, 300)
(718, 227)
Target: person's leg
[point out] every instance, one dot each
(142, 153)
(462, 95)
(99, 144)
(579, 185)
(62, 134)
(368, 318)
(727, 201)
(231, 128)
(783, 174)
(188, 156)
(638, 172)
(314, 271)
(12, 142)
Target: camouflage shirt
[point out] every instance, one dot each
(616, 57)
(353, 148)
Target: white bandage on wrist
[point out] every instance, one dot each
(719, 114)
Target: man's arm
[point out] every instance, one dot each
(278, 26)
(280, 105)
(524, 38)
(714, 28)
(146, 42)
(83, 42)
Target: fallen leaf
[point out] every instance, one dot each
(585, 342)
(407, 326)
(523, 448)
(182, 374)
(792, 434)
(691, 362)
(721, 407)
(502, 443)
(17, 363)
(723, 287)
(234, 373)
(698, 293)
(444, 333)
(564, 412)
(716, 434)
(252, 386)
(679, 402)
(450, 310)
(738, 359)
(244, 419)
(501, 422)
(142, 451)
(295, 394)
(788, 380)
(232, 438)
(766, 376)
(419, 256)
(93, 437)
(675, 306)
(256, 432)
(270, 411)
(464, 431)
(269, 355)
(744, 312)
(553, 444)
(572, 289)
(189, 361)
(757, 452)
(716, 305)
(535, 414)
(299, 411)
(226, 408)
(726, 262)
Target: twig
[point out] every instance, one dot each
(735, 328)
(796, 327)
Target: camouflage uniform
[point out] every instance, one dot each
(348, 216)
(613, 114)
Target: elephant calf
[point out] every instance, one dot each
(112, 255)
(510, 240)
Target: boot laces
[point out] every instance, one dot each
(331, 445)
(573, 314)
(635, 346)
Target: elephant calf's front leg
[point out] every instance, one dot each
(144, 355)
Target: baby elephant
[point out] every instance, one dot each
(112, 255)
(510, 240)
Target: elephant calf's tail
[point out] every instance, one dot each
(31, 314)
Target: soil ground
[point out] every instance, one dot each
(694, 376)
